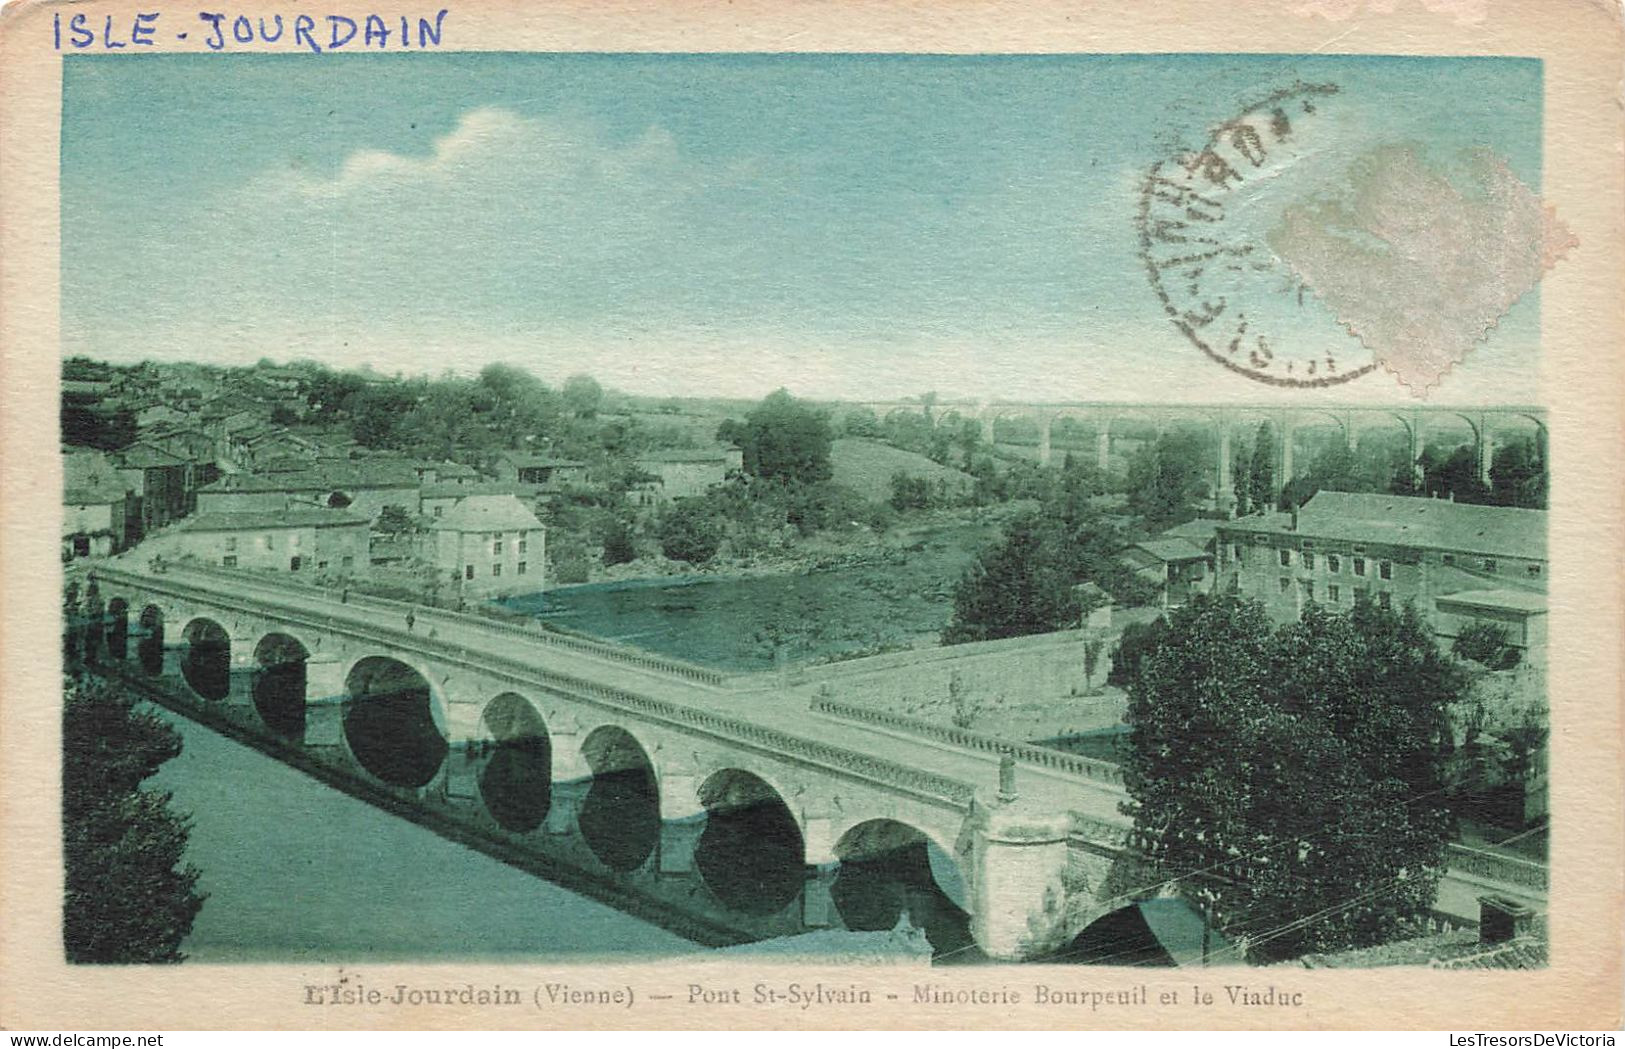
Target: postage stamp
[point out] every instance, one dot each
(564, 522)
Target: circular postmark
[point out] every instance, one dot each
(1202, 225)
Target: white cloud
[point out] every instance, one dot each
(491, 147)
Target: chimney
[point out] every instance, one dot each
(1501, 919)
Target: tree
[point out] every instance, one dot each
(583, 396)
(394, 520)
(1261, 475)
(618, 545)
(1292, 782)
(1018, 588)
(129, 898)
(786, 440)
(1134, 644)
(1518, 475)
(1452, 474)
(690, 532)
(1166, 477)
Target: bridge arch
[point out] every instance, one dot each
(206, 666)
(393, 722)
(890, 871)
(619, 817)
(516, 783)
(150, 649)
(751, 855)
(1155, 932)
(117, 628)
(279, 683)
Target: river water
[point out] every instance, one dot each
(902, 598)
(297, 871)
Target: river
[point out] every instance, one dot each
(745, 623)
(297, 871)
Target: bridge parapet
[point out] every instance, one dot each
(1498, 866)
(1044, 757)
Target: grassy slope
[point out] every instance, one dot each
(867, 467)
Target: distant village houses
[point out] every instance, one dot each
(681, 473)
(292, 541)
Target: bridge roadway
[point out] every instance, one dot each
(752, 698)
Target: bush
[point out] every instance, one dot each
(1488, 644)
(690, 532)
(1137, 641)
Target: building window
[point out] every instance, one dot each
(1385, 599)
(347, 561)
(321, 566)
(521, 567)
(496, 548)
(1306, 587)
(229, 561)
(1334, 564)
(1489, 565)
(496, 569)
(522, 546)
(1308, 559)
(1448, 559)
(1334, 594)
(1534, 570)
(231, 542)
(293, 563)
(468, 572)
(1285, 584)
(1286, 558)
(1237, 551)
(1386, 569)
(439, 510)
(1359, 566)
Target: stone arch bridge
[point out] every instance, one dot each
(1482, 425)
(754, 805)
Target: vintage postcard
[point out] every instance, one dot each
(765, 515)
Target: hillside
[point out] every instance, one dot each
(867, 467)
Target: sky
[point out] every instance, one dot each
(847, 226)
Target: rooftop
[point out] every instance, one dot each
(488, 513)
(143, 456)
(532, 461)
(1510, 600)
(325, 478)
(259, 520)
(686, 455)
(1172, 549)
(453, 490)
(1435, 524)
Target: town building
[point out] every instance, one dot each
(682, 473)
(365, 491)
(1485, 562)
(161, 483)
(97, 505)
(488, 544)
(294, 541)
(1178, 568)
(542, 470)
